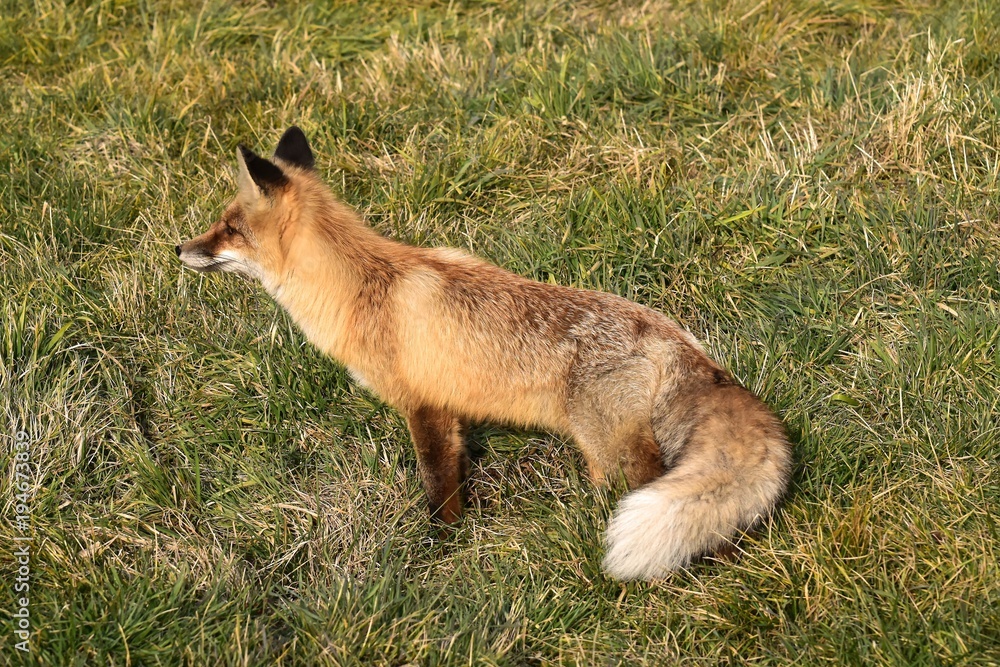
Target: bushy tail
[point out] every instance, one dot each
(731, 472)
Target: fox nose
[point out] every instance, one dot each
(178, 249)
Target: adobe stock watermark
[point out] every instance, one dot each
(22, 539)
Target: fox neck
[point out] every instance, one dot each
(325, 269)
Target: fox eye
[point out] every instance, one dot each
(231, 230)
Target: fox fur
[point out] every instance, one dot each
(448, 338)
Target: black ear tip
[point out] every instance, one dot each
(264, 173)
(293, 147)
(294, 136)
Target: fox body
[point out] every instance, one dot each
(447, 338)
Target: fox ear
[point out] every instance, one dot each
(258, 176)
(293, 148)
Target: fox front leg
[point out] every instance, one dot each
(441, 459)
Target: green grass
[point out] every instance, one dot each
(808, 185)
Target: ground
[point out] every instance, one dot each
(810, 186)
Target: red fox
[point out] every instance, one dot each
(447, 338)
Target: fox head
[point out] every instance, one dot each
(249, 236)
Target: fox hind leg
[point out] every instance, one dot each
(441, 459)
(634, 453)
(609, 412)
(641, 459)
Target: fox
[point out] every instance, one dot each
(449, 339)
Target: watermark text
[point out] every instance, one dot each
(22, 539)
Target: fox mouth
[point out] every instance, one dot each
(204, 262)
(213, 265)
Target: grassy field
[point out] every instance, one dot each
(810, 186)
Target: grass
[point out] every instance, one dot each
(808, 185)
